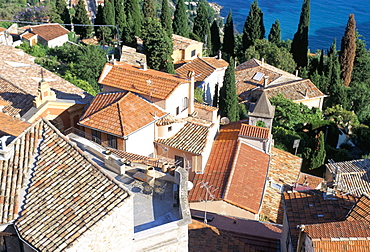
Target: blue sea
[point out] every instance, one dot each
(328, 18)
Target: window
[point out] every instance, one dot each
(112, 141)
(179, 161)
(177, 110)
(96, 135)
(169, 128)
(184, 103)
(193, 53)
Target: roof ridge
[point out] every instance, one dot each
(231, 174)
(121, 115)
(207, 63)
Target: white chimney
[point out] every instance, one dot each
(143, 66)
(296, 73)
(219, 55)
(191, 75)
(266, 81)
(263, 61)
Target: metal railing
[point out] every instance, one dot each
(87, 136)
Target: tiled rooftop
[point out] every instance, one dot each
(310, 207)
(203, 67)
(204, 107)
(191, 138)
(28, 35)
(309, 180)
(181, 43)
(11, 126)
(54, 211)
(340, 245)
(361, 211)
(147, 82)
(120, 113)
(247, 178)
(219, 163)
(340, 229)
(284, 169)
(353, 176)
(254, 131)
(49, 31)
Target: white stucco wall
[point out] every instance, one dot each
(209, 84)
(59, 41)
(312, 103)
(115, 232)
(176, 100)
(141, 141)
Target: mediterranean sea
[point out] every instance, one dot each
(328, 18)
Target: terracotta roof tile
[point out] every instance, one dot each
(181, 43)
(28, 35)
(203, 67)
(247, 178)
(147, 82)
(309, 180)
(335, 246)
(254, 131)
(219, 163)
(49, 31)
(2, 29)
(361, 211)
(191, 138)
(284, 169)
(11, 126)
(341, 229)
(204, 107)
(120, 113)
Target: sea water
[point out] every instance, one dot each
(328, 18)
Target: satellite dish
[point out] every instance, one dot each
(224, 121)
(190, 185)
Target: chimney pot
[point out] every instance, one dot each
(143, 66)
(296, 73)
(263, 61)
(219, 54)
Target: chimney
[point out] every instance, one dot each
(44, 94)
(219, 55)
(263, 61)
(2, 105)
(143, 66)
(191, 75)
(296, 73)
(266, 81)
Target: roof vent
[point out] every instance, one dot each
(5, 152)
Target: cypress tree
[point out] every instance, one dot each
(166, 20)
(215, 96)
(158, 46)
(98, 21)
(229, 39)
(228, 101)
(253, 27)
(361, 66)
(120, 16)
(134, 16)
(108, 13)
(180, 20)
(149, 9)
(201, 27)
(82, 18)
(215, 38)
(348, 51)
(63, 12)
(275, 32)
(320, 67)
(300, 41)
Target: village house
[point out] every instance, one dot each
(5, 37)
(50, 35)
(32, 92)
(185, 49)
(209, 74)
(254, 76)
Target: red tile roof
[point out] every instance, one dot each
(340, 229)
(204, 107)
(11, 126)
(182, 43)
(335, 246)
(361, 211)
(120, 113)
(219, 163)
(254, 131)
(147, 82)
(247, 178)
(2, 29)
(49, 31)
(66, 194)
(309, 180)
(203, 67)
(29, 35)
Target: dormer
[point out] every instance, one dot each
(44, 94)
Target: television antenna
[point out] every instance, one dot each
(209, 194)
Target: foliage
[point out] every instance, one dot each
(316, 155)
(33, 14)
(229, 40)
(215, 96)
(253, 27)
(348, 51)
(80, 83)
(166, 19)
(158, 46)
(134, 17)
(149, 9)
(361, 65)
(274, 55)
(341, 117)
(37, 50)
(300, 41)
(5, 24)
(361, 135)
(201, 27)
(81, 18)
(215, 38)
(99, 21)
(338, 155)
(62, 10)
(228, 101)
(275, 32)
(109, 13)
(243, 113)
(198, 95)
(180, 20)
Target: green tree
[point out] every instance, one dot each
(361, 65)
(98, 21)
(180, 20)
(274, 55)
(166, 20)
(108, 19)
(300, 41)
(228, 101)
(158, 46)
(81, 18)
(215, 96)
(215, 38)
(201, 27)
(62, 10)
(149, 9)
(275, 32)
(253, 27)
(134, 17)
(229, 39)
(198, 95)
(348, 51)
(318, 154)
(120, 17)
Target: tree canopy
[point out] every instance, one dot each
(275, 32)
(81, 17)
(348, 51)
(201, 27)
(166, 19)
(229, 39)
(253, 27)
(180, 20)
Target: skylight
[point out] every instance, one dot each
(258, 76)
